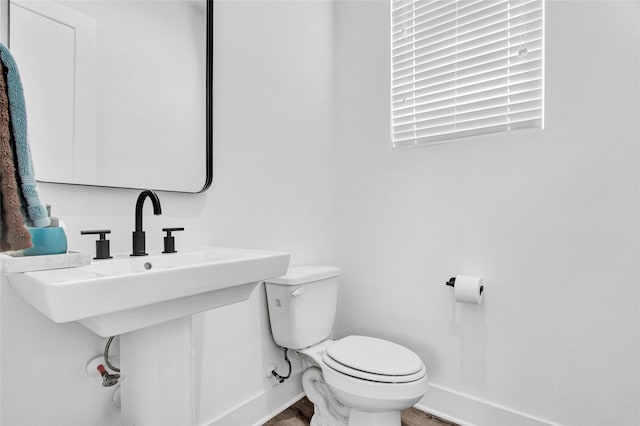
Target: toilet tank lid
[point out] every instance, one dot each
(297, 275)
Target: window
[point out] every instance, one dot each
(465, 68)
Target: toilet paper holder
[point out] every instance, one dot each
(452, 283)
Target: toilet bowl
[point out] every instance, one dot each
(356, 380)
(374, 378)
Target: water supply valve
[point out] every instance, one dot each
(277, 376)
(108, 379)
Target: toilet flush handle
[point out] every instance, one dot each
(297, 292)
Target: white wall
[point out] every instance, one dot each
(550, 219)
(4, 26)
(273, 163)
(272, 189)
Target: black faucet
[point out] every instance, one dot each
(138, 234)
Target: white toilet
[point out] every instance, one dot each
(357, 380)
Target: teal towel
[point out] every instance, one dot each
(36, 211)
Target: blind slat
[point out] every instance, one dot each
(417, 8)
(493, 16)
(460, 51)
(476, 72)
(488, 12)
(465, 67)
(466, 120)
(523, 95)
(442, 134)
(425, 38)
(432, 82)
(425, 77)
(471, 59)
(474, 89)
(447, 15)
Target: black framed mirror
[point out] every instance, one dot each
(118, 92)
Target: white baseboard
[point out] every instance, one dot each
(457, 407)
(280, 409)
(467, 410)
(258, 409)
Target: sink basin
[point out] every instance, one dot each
(124, 294)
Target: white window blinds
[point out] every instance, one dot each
(464, 68)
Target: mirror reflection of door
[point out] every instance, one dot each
(115, 90)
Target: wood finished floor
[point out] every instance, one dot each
(299, 414)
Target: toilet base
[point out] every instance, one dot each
(327, 410)
(363, 418)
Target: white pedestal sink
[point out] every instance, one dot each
(149, 302)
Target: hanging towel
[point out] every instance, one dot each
(36, 211)
(13, 234)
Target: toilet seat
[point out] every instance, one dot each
(375, 360)
(371, 377)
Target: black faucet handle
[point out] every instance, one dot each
(170, 230)
(103, 250)
(169, 240)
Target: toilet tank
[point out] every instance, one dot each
(302, 305)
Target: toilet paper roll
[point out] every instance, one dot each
(468, 289)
